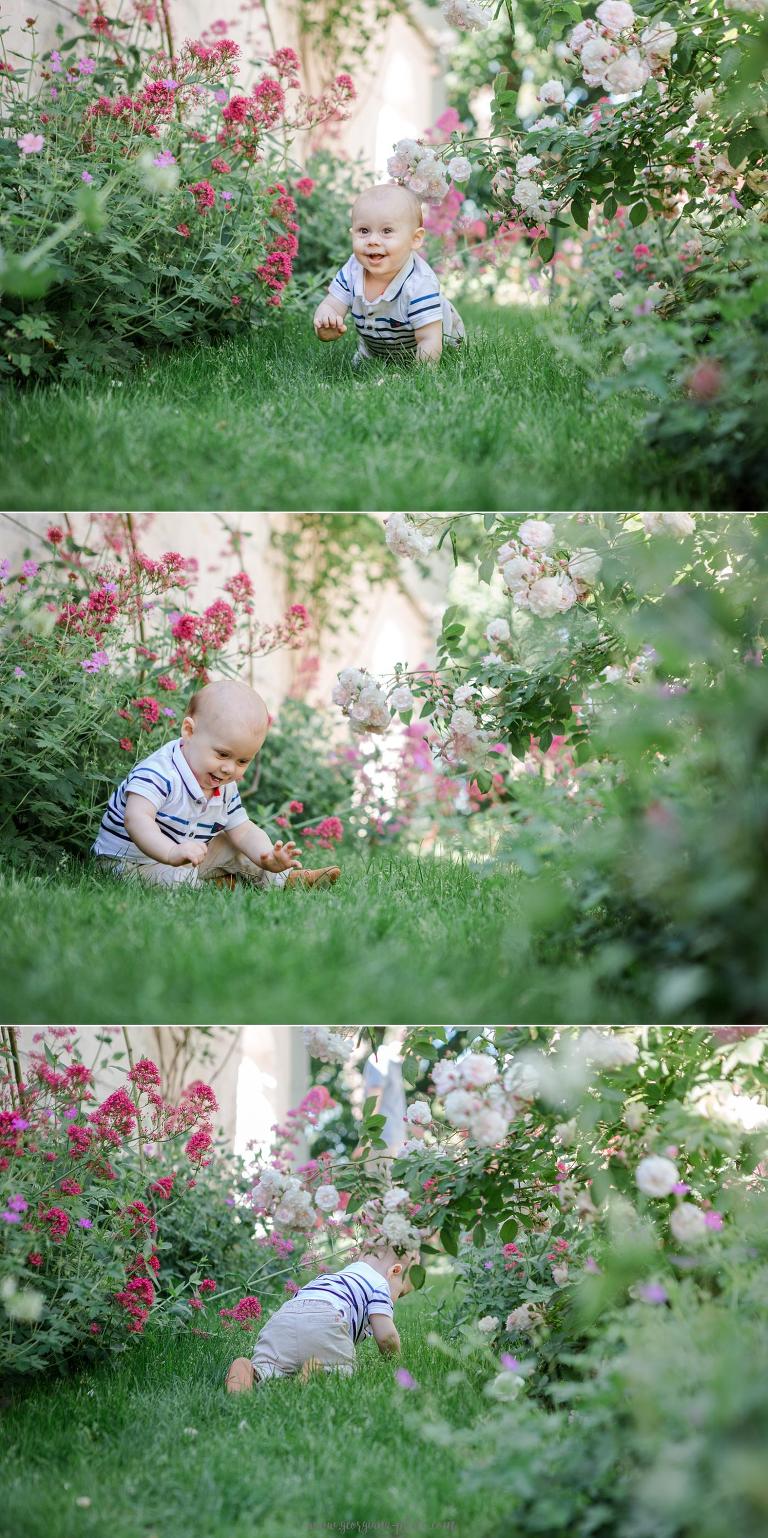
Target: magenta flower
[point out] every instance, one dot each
(86, 177)
(712, 1220)
(86, 66)
(17, 1204)
(19, 673)
(652, 1292)
(10, 1217)
(29, 568)
(19, 1123)
(403, 1377)
(5, 567)
(166, 711)
(95, 663)
(680, 1188)
(509, 1363)
(56, 65)
(165, 158)
(84, 1223)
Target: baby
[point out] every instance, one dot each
(321, 1326)
(393, 296)
(178, 818)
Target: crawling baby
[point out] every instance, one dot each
(390, 292)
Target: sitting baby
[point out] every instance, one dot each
(392, 294)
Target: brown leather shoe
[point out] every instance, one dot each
(324, 877)
(241, 1376)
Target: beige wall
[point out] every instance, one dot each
(399, 94)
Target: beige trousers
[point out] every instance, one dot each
(304, 1328)
(220, 856)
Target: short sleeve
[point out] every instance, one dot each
(343, 285)
(146, 780)
(425, 303)
(235, 811)
(381, 1305)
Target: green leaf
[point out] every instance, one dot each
(369, 1105)
(484, 780)
(638, 213)
(508, 1230)
(546, 249)
(450, 1240)
(580, 213)
(417, 1276)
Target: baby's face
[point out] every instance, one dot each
(219, 751)
(384, 235)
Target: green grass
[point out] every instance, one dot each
(277, 420)
(399, 941)
(286, 1461)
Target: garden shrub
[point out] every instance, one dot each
(143, 195)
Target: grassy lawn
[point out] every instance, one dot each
(276, 420)
(286, 1461)
(398, 941)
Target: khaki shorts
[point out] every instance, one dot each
(154, 873)
(304, 1328)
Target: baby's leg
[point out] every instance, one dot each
(223, 858)
(241, 1376)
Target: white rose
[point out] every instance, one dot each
(522, 1318)
(551, 595)
(637, 352)
(522, 1080)
(518, 574)
(608, 1049)
(507, 552)
(703, 102)
(394, 1198)
(581, 35)
(419, 1113)
(488, 1127)
(526, 164)
(584, 566)
(679, 524)
(617, 301)
(528, 195)
(658, 40)
(403, 537)
(408, 149)
(635, 1115)
(537, 534)
(465, 15)
(596, 54)
(626, 74)
(463, 694)
(397, 1230)
(656, 1176)
(498, 630)
(401, 698)
(477, 1069)
(327, 1198)
(459, 169)
(615, 16)
(460, 1106)
(552, 93)
(488, 1324)
(25, 1305)
(567, 1132)
(688, 1224)
(560, 1275)
(656, 292)
(504, 1387)
(445, 1076)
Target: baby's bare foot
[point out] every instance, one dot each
(241, 1376)
(325, 877)
(312, 1364)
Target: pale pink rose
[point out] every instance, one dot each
(551, 595)
(627, 74)
(536, 533)
(615, 15)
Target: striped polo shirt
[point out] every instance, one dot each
(358, 1291)
(183, 809)
(388, 325)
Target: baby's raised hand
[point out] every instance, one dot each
(328, 323)
(189, 852)
(283, 857)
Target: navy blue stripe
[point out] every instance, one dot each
(420, 309)
(147, 781)
(147, 769)
(114, 834)
(182, 775)
(183, 820)
(340, 278)
(422, 298)
(409, 274)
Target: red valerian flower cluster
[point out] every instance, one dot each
(244, 1311)
(275, 271)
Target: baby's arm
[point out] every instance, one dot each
(329, 318)
(258, 847)
(140, 825)
(385, 1334)
(429, 342)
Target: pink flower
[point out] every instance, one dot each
(126, 744)
(145, 1073)
(86, 66)
(296, 807)
(305, 186)
(29, 568)
(183, 229)
(714, 1220)
(207, 1284)
(58, 1223)
(403, 1377)
(198, 1144)
(30, 144)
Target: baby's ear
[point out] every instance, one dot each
(418, 237)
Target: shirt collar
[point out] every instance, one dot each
(187, 778)
(393, 289)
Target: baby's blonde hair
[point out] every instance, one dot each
(412, 202)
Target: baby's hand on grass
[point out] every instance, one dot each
(283, 857)
(189, 852)
(329, 324)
